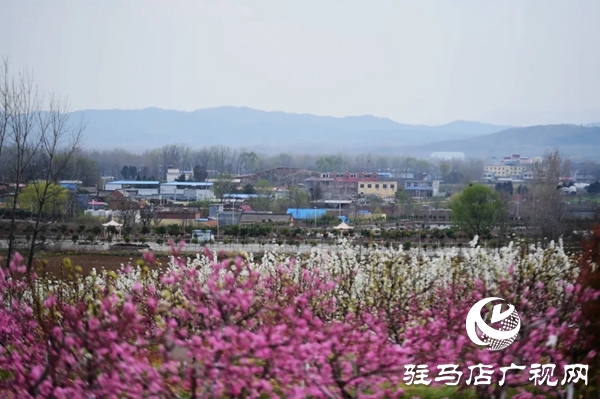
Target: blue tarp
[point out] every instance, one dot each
(300, 214)
(344, 219)
(240, 196)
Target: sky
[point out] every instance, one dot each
(423, 61)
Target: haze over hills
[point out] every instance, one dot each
(276, 132)
(138, 130)
(578, 142)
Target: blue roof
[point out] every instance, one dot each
(307, 213)
(187, 183)
(244, 196)
(141, 182)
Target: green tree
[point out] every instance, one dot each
(200, 173)
(297, 197)
(329, 163)
(265, 190)
(248, 161)
(264, 187)
(248, 189)
(125, 172)
(506, 187)
(477, 210)
(54, 203)
(594, 188)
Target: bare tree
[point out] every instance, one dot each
(5, 103)
(221, 158)
(201, 158)
(247, 162)
(23, 105)
(59, 141)
(544, 206)
(174, 154)
(128, 211)
(149, 213)
(35, 145)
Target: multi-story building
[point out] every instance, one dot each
(514, 166)
(516, 159)
(345, 183)
(422, 188)
(382, 189)
(505, 171)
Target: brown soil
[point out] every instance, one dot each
(51, 263)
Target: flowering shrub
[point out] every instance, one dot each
(343, 324)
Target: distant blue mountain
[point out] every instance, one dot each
(138, 130)
(576, 141)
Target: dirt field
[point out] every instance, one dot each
(52, 262)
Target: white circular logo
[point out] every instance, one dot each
(506, 325)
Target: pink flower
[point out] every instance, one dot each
(149, 258)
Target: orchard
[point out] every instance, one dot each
(350, 323)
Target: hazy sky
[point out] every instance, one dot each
(421, 61)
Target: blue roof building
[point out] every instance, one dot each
(302, 214)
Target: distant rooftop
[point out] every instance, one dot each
(141, 182)
(188, 183)
(448, 155)
(240, 196)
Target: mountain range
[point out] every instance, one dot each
(274, 132)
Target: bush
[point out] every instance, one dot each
(174, 230)
(415, 312)
(75, 238)
(406, 246)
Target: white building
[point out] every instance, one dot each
(188, 191)
(174, 173)
(143, 188)
(420, 188)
